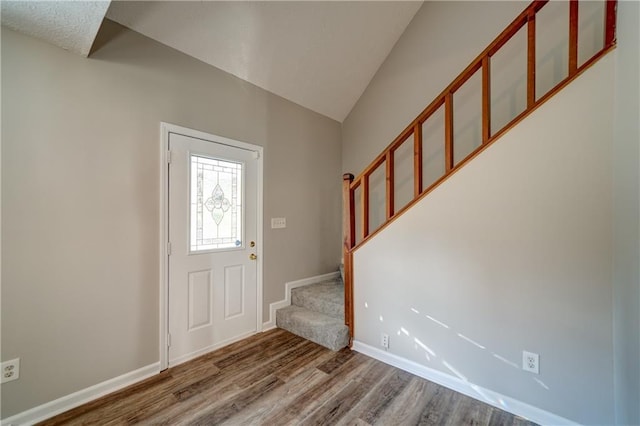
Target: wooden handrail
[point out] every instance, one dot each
(481, 63)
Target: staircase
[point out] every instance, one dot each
(317, 314)
(440, 113)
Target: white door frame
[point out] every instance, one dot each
(165, 130)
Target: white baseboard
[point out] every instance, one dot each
(287, 296)
(490, 397)
(60, 405)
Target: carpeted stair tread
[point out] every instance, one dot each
(325, 297)
(315, 326)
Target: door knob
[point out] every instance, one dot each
(252, 256)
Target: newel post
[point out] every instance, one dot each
(348, 235)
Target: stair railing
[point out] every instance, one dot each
(414, 130)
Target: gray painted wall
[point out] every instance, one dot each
(80, 188)
(514, 253)
(416, 71)
(626, 216)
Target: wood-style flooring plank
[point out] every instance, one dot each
(439, 406)
(184, 412)
(239, 360)
(378, 399)
(278, 400)
(470, 413)
(340, 404)
(277, 378)
(220, 412)
(296, 355)
(499, 417)
(313, 355)
(406, 408)
(110, 403)
(312, 398)
(337, 361)
(247, 346)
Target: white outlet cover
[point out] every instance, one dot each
(531, 362)
(384, 341)
(10, 370)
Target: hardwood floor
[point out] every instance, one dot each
(277, 378)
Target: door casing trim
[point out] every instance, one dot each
(165, 130)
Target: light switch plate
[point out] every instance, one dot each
(278, 222)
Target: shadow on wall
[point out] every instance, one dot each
(432, 357)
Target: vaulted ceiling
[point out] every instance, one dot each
(67, 24)
(319, 54)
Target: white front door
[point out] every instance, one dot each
(213, 196)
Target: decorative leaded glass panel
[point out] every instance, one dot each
(216, 204)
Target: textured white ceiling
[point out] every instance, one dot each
(320, 55)
(72, 25)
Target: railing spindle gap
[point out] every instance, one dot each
(390, 184)
(365, 206)
(486, 100)
(531, 59)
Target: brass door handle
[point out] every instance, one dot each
(252, 256)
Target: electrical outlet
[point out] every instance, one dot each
(384, 341)
(10, 370)
(531, 362)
